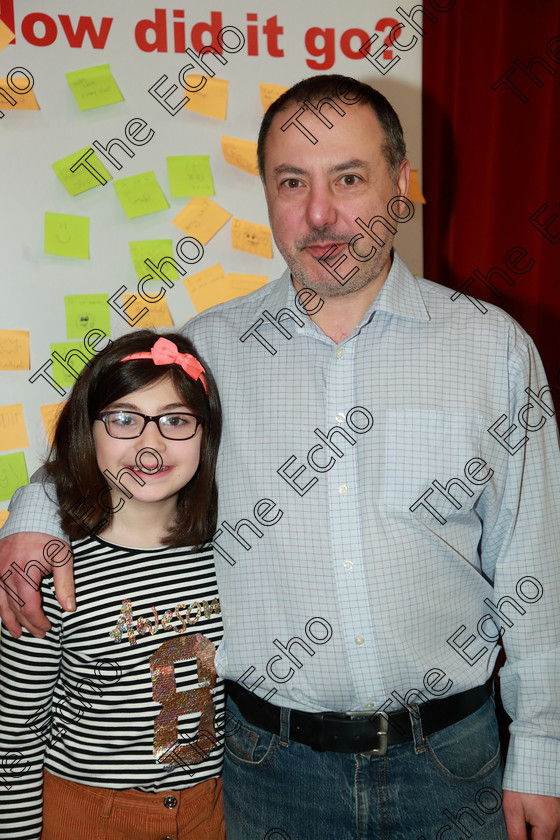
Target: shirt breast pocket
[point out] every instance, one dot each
(431, 445)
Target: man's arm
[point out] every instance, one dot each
(32, 546)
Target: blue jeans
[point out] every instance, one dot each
(443, 787)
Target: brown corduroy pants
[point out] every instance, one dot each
(79, 812)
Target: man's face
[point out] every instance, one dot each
(315, 193)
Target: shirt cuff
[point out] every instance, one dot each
(533, 766)
(31, 509)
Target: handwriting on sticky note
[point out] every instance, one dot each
(208, 288)
(242, 284)
(270, 93)
(12, 99)
(14, 350)
(251, 237)
(241, 153)
(190, 175)
(158, 314)
(88, 172)
(154, 250)
(201, 218)
(12, 428)
(210, 100)
(140, 194)
(50, 414)
(67, 236)
(414, 190)
(13, 474)
(94, 87)
(85, 313)
(6, 35)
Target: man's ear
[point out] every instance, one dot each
(403, 178)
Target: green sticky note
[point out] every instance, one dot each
(154, 250)
(13, 474)
(89, 171)
(140, 195)
(93, 87)
(73, 355)
(85, 313)
(67, 236)
(190, 175)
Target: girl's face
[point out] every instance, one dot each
(160, 466)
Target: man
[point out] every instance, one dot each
(387, 511)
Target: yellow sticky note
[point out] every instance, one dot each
(208, 288)
(241, 153)
(67, 236)
(85, 313)
(17, 100)
(158, 314)
(210, 100)
(50, 414)
(12, 428)
(414, 190)
(81, 171)
(14, 350)
(201, 218)
(242, 284)
(6, 35)
(270, 93)
(140, 194)
(3, 513)
(13, 474)
(94, 87)
(251, 237)
(154, 250)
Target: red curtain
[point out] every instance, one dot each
(491, 148)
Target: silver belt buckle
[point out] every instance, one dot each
(383, 729)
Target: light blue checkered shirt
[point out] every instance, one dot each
(385, 505)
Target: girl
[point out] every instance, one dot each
(118, 708)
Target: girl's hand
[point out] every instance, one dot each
(24, 559)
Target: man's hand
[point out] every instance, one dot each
(24, 559)
(542, 813)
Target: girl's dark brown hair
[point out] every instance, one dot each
(82, 490)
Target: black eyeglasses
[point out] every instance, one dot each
(130, 424)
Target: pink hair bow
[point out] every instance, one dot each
(165, 352)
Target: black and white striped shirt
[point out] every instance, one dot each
(121, 693)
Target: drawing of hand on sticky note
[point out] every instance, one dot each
(251, 237)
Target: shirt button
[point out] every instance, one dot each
(368, 705)
(348, 564)
(340, 417)
(343, 489)
(359, 639)
(341, 352)
(170, 802)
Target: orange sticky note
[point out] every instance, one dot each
(242, 284)
(208, 288)
(251, 237)
(270, 93)
(202, 218)
(158, 314)
(12, 428)
(414, 191)
(210, 100)
(16, 100)
(50, 413)
(6, 35)
(14, 350)
(3, 516)
(241, 153)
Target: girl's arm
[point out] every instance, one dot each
(29, 669)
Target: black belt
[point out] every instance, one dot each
(359, 732)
